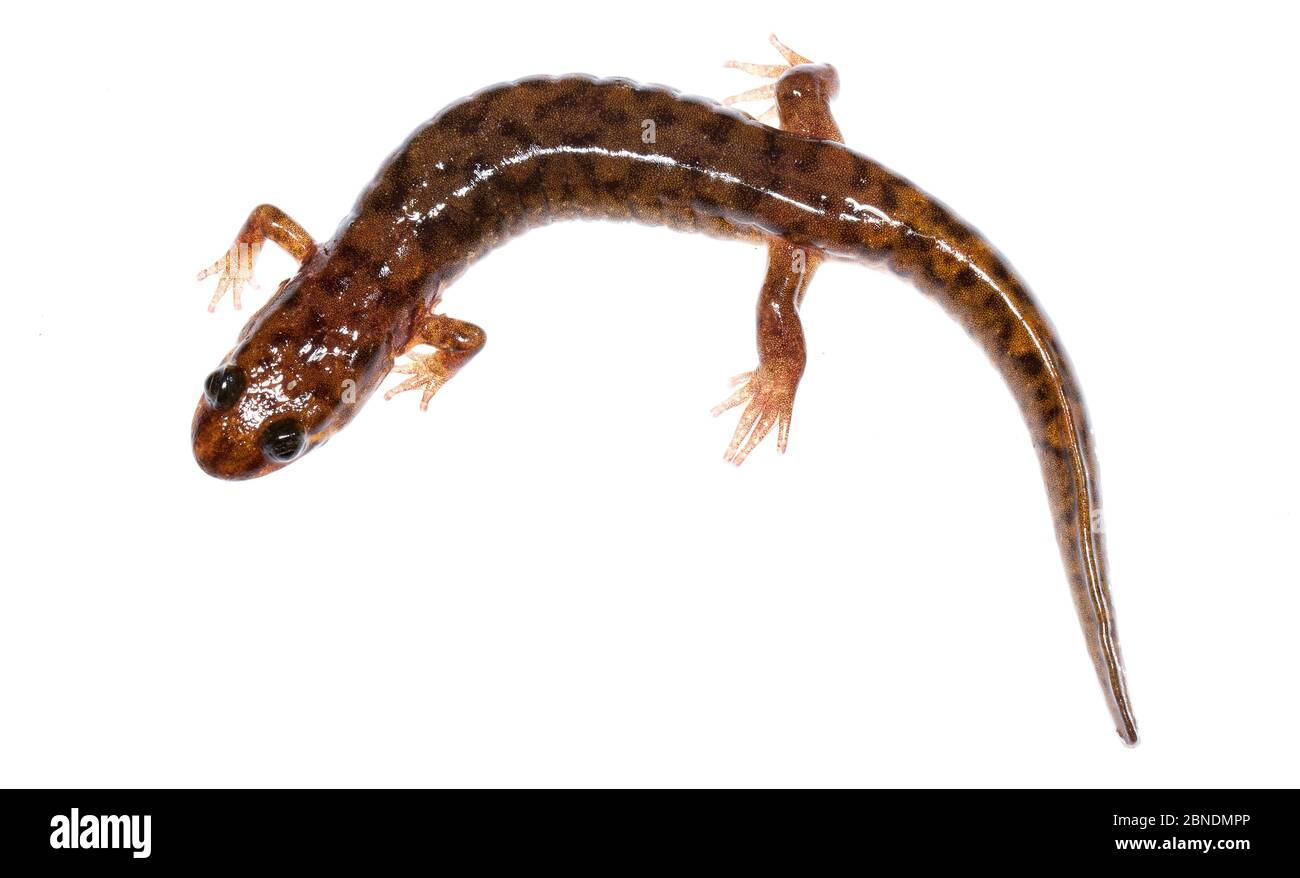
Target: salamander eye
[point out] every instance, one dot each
(283, 440)
(224, 386)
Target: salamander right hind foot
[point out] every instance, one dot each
(767, 71)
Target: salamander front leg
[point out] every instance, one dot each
(235, 269)
(768, 392)
(455, 343)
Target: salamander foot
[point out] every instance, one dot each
(234, 271)
(427, 371)
(456, 343)
(767, 71)
(768, 396)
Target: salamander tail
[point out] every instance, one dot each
(983, 293)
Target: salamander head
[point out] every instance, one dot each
(292, 380)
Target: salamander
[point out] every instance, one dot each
(521, 154)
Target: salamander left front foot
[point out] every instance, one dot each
(456, 342)
(768, 396)
(427, 371)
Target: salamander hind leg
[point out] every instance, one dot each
(768, 392)
(803, 92)
(234, 270)
(455, 342)
(767, 71)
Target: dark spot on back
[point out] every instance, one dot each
(468, 121)
(966, 279)
(716, 130)
(863, 169)
(615, 117)
(585, 138)
(1029, 364)
(515, 133)
(887, 198)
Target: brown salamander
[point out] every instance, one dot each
(525, 153)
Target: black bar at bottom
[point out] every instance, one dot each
(98, 829)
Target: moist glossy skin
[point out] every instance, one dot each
(522, 154)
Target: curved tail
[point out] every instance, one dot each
(976, 285)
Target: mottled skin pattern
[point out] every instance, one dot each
(521, 154)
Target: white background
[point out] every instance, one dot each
(551, 578)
